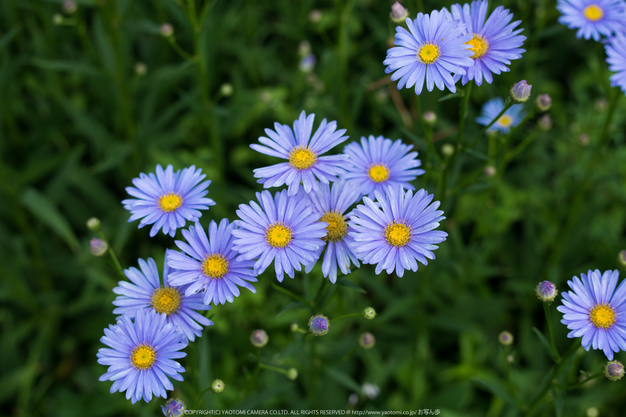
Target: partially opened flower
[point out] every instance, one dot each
(511, 118)
(141, 355)
(398, 231)
(332, 204)
(303, 153)
(431, 50)
(616, 51)
(378, 163)
(593, 18)
(494, 43)
(282, 229)
(147, 293)
(209, 264)
(596, 310)
(168, 198)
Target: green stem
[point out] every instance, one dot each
(555, 352)
(289, 293)
(346, 315)
(428, 133)
(116, 263)
(554, 371)
(181, 51)
(509, 380)
(581, 383)
(273, 368)
(507, 105)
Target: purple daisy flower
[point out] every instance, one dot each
(434, 48)
(147, 293)
(398, 231)
(168, 198)
(595, 310)
(282, 229)
(141, 355)
(303, 154)
(332, 204)
(494, 42)
(593, 17)
(511, 118)
(616, 51)
(210, 264)
(379, 162)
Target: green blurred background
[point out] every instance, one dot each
(90, 99)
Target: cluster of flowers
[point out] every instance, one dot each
(464, 44)
(290, 228)
(594, 18)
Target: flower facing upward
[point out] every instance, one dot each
(596, 310)
(494, 42)
(319, 325)
(511, 118)
(147, 293)
(303, 154)
(397, 232)
(593, 18)
(209, 264)
(616, 51)
(332, 204)
(141, 355)
(431, 50)
(168, 198)
(282, 229)
(379, 162)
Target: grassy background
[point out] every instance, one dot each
(77, 123)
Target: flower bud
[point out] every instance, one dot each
(546, 291)
(259, 338)
(226, 90)
(315, 16)
(218, 386)
(57, 19)
(520, 92)
(353, 399)
(367, 340)
(600, 104)
(544, 102)
(166, 30)
(545, 122)
(98, 247)
(614, 370)
(369, 313)
(490, 170)
(319, 325)
(93, 224)
(430, 117)
(583, 139)
(510, 359)
(370, 390)
(307, 63)
(592, 412)
(69, 6)
(292, 373)
(398, 13)
(141, 69)
(621, 258)
(174, 408)
(304, 48)
(447, 150)
(505, 338)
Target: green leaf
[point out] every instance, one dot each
(414, 138)
(544, 342)
(68, 66)
(347, 283)
(559, 401)
(451, 96)
(4, 41)
(343, 378)
(293, 304)
(46, 212)
(477, 154)
(495, 388)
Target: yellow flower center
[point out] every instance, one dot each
(378, 172)
(301, 157)
(428, 53)
(479, 46)
(397, 233)
(337, 227)
(593, 12)
(143, 357)
(215, 266)
(602, 316)
(166, 300)
(278, 235)
(170, 202)
(505, 121)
